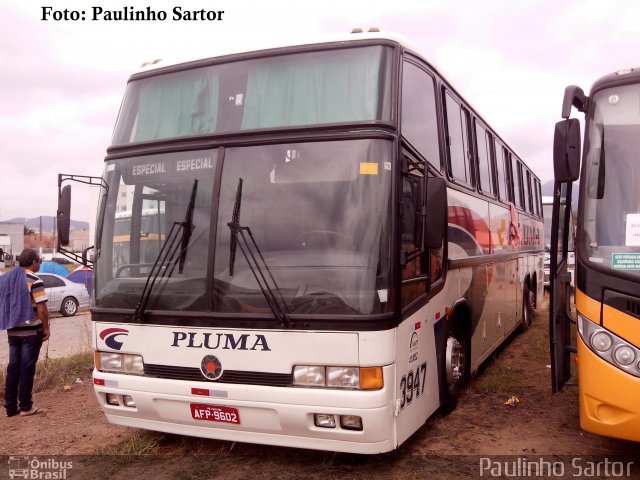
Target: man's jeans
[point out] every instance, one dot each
(23, 355)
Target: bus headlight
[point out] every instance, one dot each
(119, 363)
(624, 355)
(356, 378)
(609, 347)
(309, 376)
(601, 341)
(343, 377)
(109, 361)
(133, 364)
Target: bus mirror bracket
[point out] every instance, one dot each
(573, 97)
(566, 150)
(436, 208)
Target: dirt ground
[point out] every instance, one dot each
(446, 447)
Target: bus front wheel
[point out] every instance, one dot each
(456, 365)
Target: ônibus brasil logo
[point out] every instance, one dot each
(110, 337)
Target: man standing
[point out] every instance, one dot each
(25, 340)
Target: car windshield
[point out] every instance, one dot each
(611, 233)
(318, 212)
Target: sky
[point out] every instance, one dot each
(61, 82)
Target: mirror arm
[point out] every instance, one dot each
(99, 181)
(77, 258)
(573, 96)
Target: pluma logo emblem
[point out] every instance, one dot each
(211, 367)
(113, 337)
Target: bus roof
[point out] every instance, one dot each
(621, 77)
(355, 36)
(372, 34)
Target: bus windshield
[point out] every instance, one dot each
(147, 196)
(318, 212)
(313, 88)
(611, 235)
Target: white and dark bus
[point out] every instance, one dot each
(345, 241)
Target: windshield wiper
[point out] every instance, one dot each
(187, 226)
(243, 237)
(177, 241)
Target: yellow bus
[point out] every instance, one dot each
(607, 295)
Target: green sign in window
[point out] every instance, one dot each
(626, 261)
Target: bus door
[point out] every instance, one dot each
(560, 318)
(566, 159)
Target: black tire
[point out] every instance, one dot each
(69, 307)
(527, 307)
(455, 367)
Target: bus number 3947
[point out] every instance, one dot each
(412, 382)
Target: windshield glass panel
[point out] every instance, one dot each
(148, 201)
(319, 214)
(611, 234)
(313, 88)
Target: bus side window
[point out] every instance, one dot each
(419, 119)
(539, 193)
(457, 141)
(501, 176)
(509, 175)
(485, 171)
(516, 176)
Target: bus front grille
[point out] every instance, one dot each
(228, 376)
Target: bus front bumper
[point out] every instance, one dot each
(609, 397)
(267, 415)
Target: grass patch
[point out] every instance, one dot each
(141, 447)
(139, 444)
(538, 346)
(56, 372)
(500, 380)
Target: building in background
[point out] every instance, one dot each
(11, 240)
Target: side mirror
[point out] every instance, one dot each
(436, 207)
(566, 150)
(64, 215)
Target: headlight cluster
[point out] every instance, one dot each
(610, 347)
(355, 378)
(119, 362)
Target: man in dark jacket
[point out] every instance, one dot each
(25, 340)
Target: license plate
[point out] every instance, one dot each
(215, 413)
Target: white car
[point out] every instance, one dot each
(64, 295)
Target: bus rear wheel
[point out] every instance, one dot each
(528, 300)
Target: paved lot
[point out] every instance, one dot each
(68, 335)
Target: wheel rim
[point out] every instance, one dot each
(528, 306)
(70, 307)
(532, 299)
(455, 361)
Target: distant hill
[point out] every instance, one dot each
(47, 223)
(547, 190)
